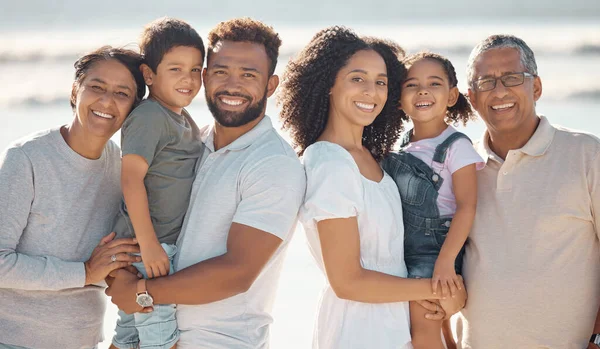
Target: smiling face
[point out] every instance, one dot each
(104, 99)
(505, 110)
(237, 82)
(178, 78)
(426, 92)
(360, 89)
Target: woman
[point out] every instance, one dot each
(59, 192)
(340, 102)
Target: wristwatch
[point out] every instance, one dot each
(595, 339)
(142, 297)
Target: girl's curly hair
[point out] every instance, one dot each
(462, 110)
(308, 78)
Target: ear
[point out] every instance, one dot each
(74, 91)
(204, 77)
(147, 73)
(471, 96)
(537, 88)
(452, 97)
(272, 85)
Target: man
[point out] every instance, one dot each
(244, 201)
(532, 264)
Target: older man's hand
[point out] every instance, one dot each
(122, 288)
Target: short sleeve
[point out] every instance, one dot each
(333, 184)
(272, 191)
(462, 153)
(144, 132)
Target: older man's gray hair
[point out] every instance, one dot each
(501, 41)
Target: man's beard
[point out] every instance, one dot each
(235, 119)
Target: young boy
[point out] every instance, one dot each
(160, 144)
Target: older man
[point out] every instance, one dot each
(244, 201)
(532, 265)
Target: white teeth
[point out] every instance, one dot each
(103, 115)
(184, 91)
(231, 102)
(423, 104)
(503, 106)
(365, 105)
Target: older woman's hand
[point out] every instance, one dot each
(110, 255)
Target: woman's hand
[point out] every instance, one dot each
(453, 305)
(156, 260)
(110, 255)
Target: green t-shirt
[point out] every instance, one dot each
(171, 145)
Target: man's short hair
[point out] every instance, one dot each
(502, 41)
(247, 30)
(162, 35)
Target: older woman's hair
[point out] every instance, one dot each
(130, 59)
(501, 41)
(309, 77)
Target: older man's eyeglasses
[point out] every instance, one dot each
(508, 80)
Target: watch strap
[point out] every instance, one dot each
(141, 287)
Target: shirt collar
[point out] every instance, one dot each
(244, 141)
(537, 145)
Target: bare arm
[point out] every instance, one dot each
(248, 251)
(340, 247)
(465, 191)
(133, 171)
(221, 277)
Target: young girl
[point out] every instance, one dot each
(435, 174)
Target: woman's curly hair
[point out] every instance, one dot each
(308, 78)
(461, 111)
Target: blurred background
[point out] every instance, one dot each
(40, 40)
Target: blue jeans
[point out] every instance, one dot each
(424, 229)
(155, 330)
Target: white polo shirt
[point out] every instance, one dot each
(257, 181)
(532, 262)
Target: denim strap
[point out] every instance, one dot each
(442, 149)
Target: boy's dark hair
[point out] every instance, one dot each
(130, 59)
(247, 30)
(162, 35)
(309, 77)
(461, 111)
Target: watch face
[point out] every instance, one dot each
(144, 300)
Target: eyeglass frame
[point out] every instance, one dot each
(524, 74)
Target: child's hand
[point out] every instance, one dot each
(445, 275)
(155, 259)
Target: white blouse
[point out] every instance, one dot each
(336, 189)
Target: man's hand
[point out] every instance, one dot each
(435, 313)
(122, 289)
(592, 346)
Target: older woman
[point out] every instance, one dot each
(59, 192)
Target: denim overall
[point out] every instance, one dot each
(424, 230)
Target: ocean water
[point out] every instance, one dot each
(36, 71)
